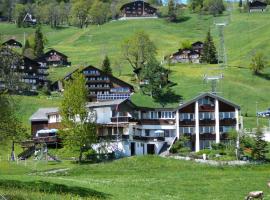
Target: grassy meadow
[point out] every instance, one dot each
(244, 34)
(147, 177)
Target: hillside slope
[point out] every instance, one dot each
(244, 34)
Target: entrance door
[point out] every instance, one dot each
(132, 148)
(151, 149)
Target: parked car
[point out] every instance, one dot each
(264, 113)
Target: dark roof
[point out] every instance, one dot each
(48, 53)
(134, 2)
(110, 76)
(13, 42)
(191, 52)
(29, 61)
(207, 94)
(257, 4)
(197, 43)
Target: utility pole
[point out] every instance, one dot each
(257, 119)
(214, 80)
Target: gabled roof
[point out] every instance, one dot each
(54, 51)
(197, 43)
(42, 114)
(110, 76)
(207, 94)
(257, 4)
(134, 2)
(28, 61)
(109, 103)
(13, 42)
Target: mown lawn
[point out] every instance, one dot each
(245, 34)
(147, 177)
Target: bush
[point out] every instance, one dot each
(181, 145)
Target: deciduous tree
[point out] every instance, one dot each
(138, 50)
(258, 63)
(79, 131)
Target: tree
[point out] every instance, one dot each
(106, 66)
(138, 50)
(99, 12)
(209, 54)
(260, 147)
(39, 42)
(240, 4)
(19, 14)
(155, 76)
(10, 61)
(80, 12)
(213, 7)
(79, 128)
(171, 11)
(258, 63)
(195, 5)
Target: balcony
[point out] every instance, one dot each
(148, 138)
(113, 137)
(187, 122)
(157, 121)
(227, 121)
(47, 139)
(120, 119)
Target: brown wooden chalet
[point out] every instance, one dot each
(258, 6)
(138, 9)
(101, 86)
(12, 44)
(54, 58)
(190, 55)
(33, 73)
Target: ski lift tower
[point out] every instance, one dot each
(214, 80)
(222, 56)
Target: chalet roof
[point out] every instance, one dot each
(110, 76)
(197, 43)
(12, 42)
(190, 52)
(135, 2)
(255, 4)
(42, 114)
(54, 51)
(207, 94)
(28, 61)
(105, 103)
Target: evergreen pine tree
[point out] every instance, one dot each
(106, 65)
(39, 46)
(209, 54)
(171, 10)
(260, 147)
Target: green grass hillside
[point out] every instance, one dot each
(146, 177)
(244, 34)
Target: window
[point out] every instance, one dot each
(147, 132)
(187, 116)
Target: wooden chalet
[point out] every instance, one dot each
(12, 44)
(190, 55)
(54, 58)
(138, 9)
(257, 6)
(101, 86)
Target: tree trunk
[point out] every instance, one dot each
(12, 156)
(80, 157)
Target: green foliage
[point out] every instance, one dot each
(39, 42)
(99, 12)
(171, 10)
(186, 44)
(79, 13)
(240, 4)
(156, 77)
(106, 65)
(19, 14)
(259, 149)
(214, 7)
(181, 145)
(195, 5)
(8, 75)
(138, 50)
(258, 63)
(209, 54)
(79, 128)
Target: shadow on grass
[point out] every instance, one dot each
(264, 76)
(48, 187)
